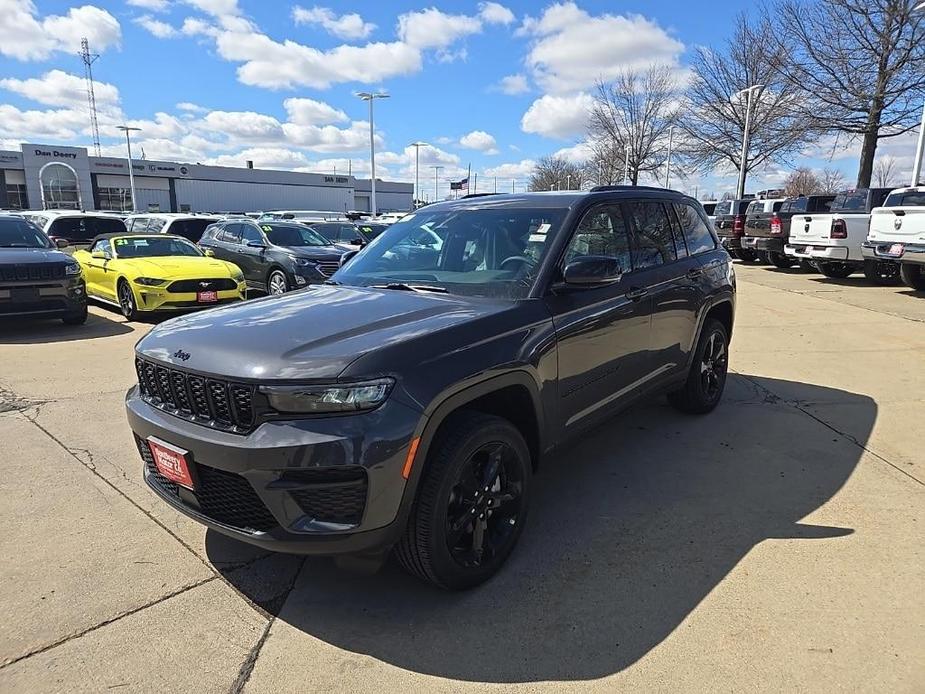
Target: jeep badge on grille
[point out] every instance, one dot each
(181, 355)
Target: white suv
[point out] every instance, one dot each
(897, 234)
(189, 226)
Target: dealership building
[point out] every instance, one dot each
(55, 177)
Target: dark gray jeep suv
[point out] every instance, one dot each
(408, 401)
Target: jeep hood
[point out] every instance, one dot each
(311, 334)
(24, 256)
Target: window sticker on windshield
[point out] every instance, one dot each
(267, 228)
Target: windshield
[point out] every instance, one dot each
(373, 230)
(851, 201)
(292, 235)
(480, 252)
(18, 233)
(913, 198)
(153, 246)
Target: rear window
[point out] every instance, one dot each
(756, 207)
(709, 207)
(742, 205)
(724, 207)
(851, 201)
(85, 228)
(190, 229)
(795, 205)
(910, 199)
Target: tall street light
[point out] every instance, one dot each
(920, 147)
(740, 190)
(131, 174)
(436, 181)
(370, 97)
(417, 160)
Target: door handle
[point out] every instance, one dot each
(695, 272)
(636, 293)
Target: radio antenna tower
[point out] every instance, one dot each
(88, 59)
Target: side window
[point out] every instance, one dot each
(155, 225)
(102, 245)
(652, 241)
(139, 224)
(347, 233)
(680, 244)
(602, 231)
(250, 233)
(698, 236)
(231, 233)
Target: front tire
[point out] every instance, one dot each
(79, 317)
(883, 274)
(912, 276)
(277, 283)
(836, 271)
(471, 503)
(127, 301)
(706, 379)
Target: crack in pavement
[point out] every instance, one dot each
(76, 635)
(799, 406)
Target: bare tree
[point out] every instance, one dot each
(802, 181)
(631, 117)
(715, 112)
(832, 181)
(856, 65)
(605, 163)
(885, 172)
(556, 173)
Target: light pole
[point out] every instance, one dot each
(370, 97)
(417, 159)
(668, 167)
(131, 174)
(626, 165)
(920, 147)
(436, 181)
(748, 122)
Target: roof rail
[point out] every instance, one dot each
(601, 189)
(477, 195)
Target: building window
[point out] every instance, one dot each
(16, 196)
(60, 190)
(116, 199)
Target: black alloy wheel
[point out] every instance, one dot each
(836, 270)
(881, 273)
(706, 378)
(713, 365)
(127, 301)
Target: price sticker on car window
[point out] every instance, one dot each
(267, 228)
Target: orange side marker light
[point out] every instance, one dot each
(409, 461)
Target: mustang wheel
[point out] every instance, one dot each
(471, 502)
(127, 301)
(707, 376)
(277, 283)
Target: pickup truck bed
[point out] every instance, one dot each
(769, 232)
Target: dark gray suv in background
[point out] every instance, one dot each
(408, 401)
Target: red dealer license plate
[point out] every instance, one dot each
(896, 249)
(171, 462)
(207, 297)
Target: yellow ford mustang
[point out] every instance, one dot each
(157, 272)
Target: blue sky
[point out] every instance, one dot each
(493, 84)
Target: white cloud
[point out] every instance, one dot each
(558, 116)
(216, 8)
(479, 140)
(244, 125)
(520, 169)
(191, 107)
(163, 126)
(311, 112)
(156, 27)
(577, 154)
(432, 28)
(58, 88)
(263, 158)
(568, 53)
(152, 5)
(513, 84)
(495, 13)
(56, 125)
(347, 26)
(26, 36)
(329, 138)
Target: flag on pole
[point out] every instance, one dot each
(460, 185)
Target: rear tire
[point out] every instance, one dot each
(781, 261)
(746, 255)
(478, 467)
(912, 276)
(808, 266)
(880, 273)
(763, 257)
(706, 379)
(837, 271)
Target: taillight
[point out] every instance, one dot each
(776, 226)
(839, 229)
(738, 225)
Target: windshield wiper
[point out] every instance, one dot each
(401, 286)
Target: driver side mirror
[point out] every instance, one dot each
(592, 271)
(358, 242)
(99, 255)
(257, 244)
(61, 243)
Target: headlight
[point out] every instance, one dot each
(315, 399)
(149, 281)
(302, 262)
(237, 276)
(72, 269)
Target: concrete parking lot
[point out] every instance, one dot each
(774, 545)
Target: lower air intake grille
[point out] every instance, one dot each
(331, 495)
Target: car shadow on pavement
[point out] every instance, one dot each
(630, 529)
(33, 331)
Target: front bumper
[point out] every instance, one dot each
(323, 485)
(763, 243)
(159, 299)
(46, 299)
(816, 252)
(894, 252)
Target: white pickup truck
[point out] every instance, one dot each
(833, 241)
(897, 235)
